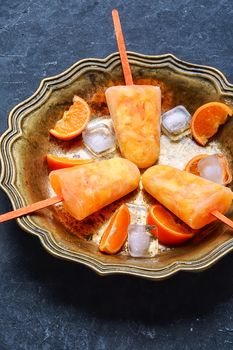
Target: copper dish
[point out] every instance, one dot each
(25, 143)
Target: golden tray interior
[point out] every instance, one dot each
(27, 141)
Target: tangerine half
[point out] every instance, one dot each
(170, 229)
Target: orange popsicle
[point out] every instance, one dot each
(135, 111)
(88, 188)
(188, 196)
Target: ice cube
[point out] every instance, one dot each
(211, 169)
(176, 122)
(138, 213)
(99, 139)
(141, 243)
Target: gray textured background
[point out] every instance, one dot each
(51, 304)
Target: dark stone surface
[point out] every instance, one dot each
(50, 304)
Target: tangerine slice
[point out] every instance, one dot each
(73, 121)
(55, 162)
(171, 230)
(207, 119)
(115, 234)
(192, 166)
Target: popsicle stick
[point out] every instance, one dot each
(122, 49)
(222, 218)
(30, 208)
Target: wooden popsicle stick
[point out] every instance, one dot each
(121, 48)
(30, 208)
(222, 218)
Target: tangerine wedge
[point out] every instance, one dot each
(115, 234)
(192, 166)
(207, 119)
(55, 162)
(171, 230)
(73, 121)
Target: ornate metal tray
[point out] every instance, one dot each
(25, 143)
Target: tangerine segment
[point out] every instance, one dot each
(171, 230)
(73, 121)
(192, 166)
(55, 162)
(115, 234)
(207, 119)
